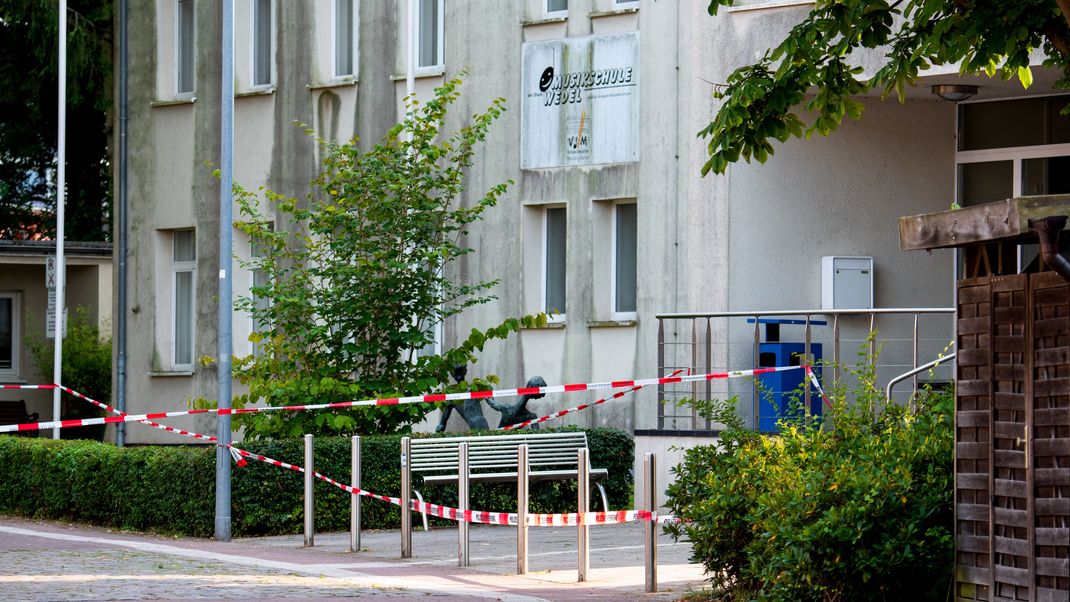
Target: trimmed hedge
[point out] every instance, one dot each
(171, 489)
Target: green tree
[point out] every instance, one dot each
(28, 120)
(354, 282)
(994, 37)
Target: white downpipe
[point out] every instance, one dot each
(61, 199)
(410, 50)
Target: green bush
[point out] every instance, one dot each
(859, 508)
(172, 488)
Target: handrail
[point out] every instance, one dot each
(807, 312)
(918, 370)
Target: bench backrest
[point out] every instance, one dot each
(549, 450)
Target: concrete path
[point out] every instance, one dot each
(52, 561)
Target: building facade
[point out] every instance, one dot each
(609, 221)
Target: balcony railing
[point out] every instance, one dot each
(730, 340)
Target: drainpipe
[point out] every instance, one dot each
(1048, 230)
(120, 335)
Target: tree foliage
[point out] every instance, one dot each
(994, 37)
(355, 279)
(28, 118)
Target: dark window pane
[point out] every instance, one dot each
(985, 182)
(262, 42)
(556, 232)
(1009, 123)
(185, 46)
(428, 34)
(7, 333)
(343, 37)
(625, 258)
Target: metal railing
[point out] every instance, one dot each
(705, 340)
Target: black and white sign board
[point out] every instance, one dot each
(581, 101)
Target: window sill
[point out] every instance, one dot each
(174, 102)
(558, 325)
(265, 91)
(628, 323)
(12, 379)
(338, 83)
(743, 8)
(545, 21)
(626, 10)
(421, 72)
(169, 373)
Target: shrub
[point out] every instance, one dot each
(858, 508)
(172, 488)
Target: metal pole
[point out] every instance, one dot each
(661, 372)
(61, 201)
(522, 509)
(836, 350)
(354, 500)
(120, 334)
(809, 362)
(651, 528)
(225, 344)
(754, 382)
(406, 498)
(310, 505)
(912, 393)
(583, 560)
(462, 504)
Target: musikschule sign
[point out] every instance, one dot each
(581, 101)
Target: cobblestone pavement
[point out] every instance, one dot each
(46, 561)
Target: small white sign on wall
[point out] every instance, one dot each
(581, 101)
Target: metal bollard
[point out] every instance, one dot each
(522, 509)
(462, 504)
(354, 500)
(310, 506)
(583, 562)
(406, 498)
(650, 529)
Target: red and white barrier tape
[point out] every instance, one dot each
(813, 380)
(583, 406)
(438, 397)
(617, 517)
(27, 386)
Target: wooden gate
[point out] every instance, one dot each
(1012, 439)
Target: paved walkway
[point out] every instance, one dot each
(52, 561)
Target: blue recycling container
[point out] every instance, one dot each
(777, 387)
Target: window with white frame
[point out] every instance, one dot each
(183, 283)
(9, 335)
(555, 233)
(345, 37)
(184, 38)
(430, 25)
(263, 27)
(625, 233)
(557, 8)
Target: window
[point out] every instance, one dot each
(554, 246)
(622, 3)
(183, 272)
(345, 35)
(624, 258)
(557, 7)
(262, 42)
(429, 37)
(9, 336)
(184, 62)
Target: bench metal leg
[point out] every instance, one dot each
(423, 512)
(605, 499)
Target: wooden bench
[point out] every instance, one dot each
(14, 412)
(493, 458)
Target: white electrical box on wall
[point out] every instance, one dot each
(846, 282)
